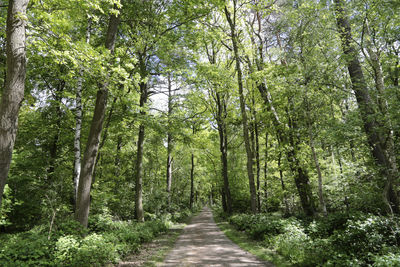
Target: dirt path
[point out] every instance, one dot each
(202, 243)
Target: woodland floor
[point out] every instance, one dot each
(202, 243)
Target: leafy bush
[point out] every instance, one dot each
(388, 260)
(292, 243)
(351, 239)
(258, 225)
(69, 227)
(68, 246)
(93, 250)
(31, 248)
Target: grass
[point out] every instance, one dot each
(250, 245)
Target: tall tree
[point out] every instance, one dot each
(92, 145)
(375, 135)
(169, 141)
(13, 93)
(232, 19)
(78, 124)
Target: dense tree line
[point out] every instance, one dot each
(142, 108)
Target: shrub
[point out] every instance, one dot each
(93, 250)
(388, 260)
(66, 249)
(292, 243)
(31, 248)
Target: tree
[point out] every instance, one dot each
(13, 93)
(92, 145)
(376, 137)
(234, 39)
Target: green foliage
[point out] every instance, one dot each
(27, 249)
(387, 260)
(93, 250)
(292, 243)
(340, 239)
(71, 245)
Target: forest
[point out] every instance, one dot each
(119, 118)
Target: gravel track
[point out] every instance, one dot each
(202, 243)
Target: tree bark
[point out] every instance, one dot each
(320, 187)
(266, 172)
(53, 148)
(139, 213)
(13, 93)
(285, 200)
(78, 125)
(92, 145)
(387, 169)
(223, 147)
(249, 152)
(300, 174)
(301, 177)
(169, 143)
(192, 182)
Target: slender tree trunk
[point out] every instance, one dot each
(139, 213)
(192, 183)
(13, 93)
(53, 149)
(220, 115)
(300, 174)
(77, 137)
(92, 145)
(223, 200)
(369, 118)
(117, 162)
(266, 172)
(169, 168)
(223, 147)
(320, 186)
(250, 173)
(78, 124)
(169, 143)
(285, 199)
(258, 169)
(301, 177)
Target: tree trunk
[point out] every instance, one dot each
(77, 137)
(285, 200)
(223, 147)
(53, 148)
(192, 183)
(300, 174)
(139, 213)
(301, 177)
(250, 173)
(92, 145)
(266, 172)
(169, 168)
(369, 117)
(257, 152)
(78, 125)
(169, 143)
(320, 188)
(13, 93)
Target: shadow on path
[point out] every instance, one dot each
(202, 243)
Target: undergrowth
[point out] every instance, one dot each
(105, 241)
(340, 239)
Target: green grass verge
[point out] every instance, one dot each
(250, 245)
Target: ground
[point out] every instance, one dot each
(202, 243)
